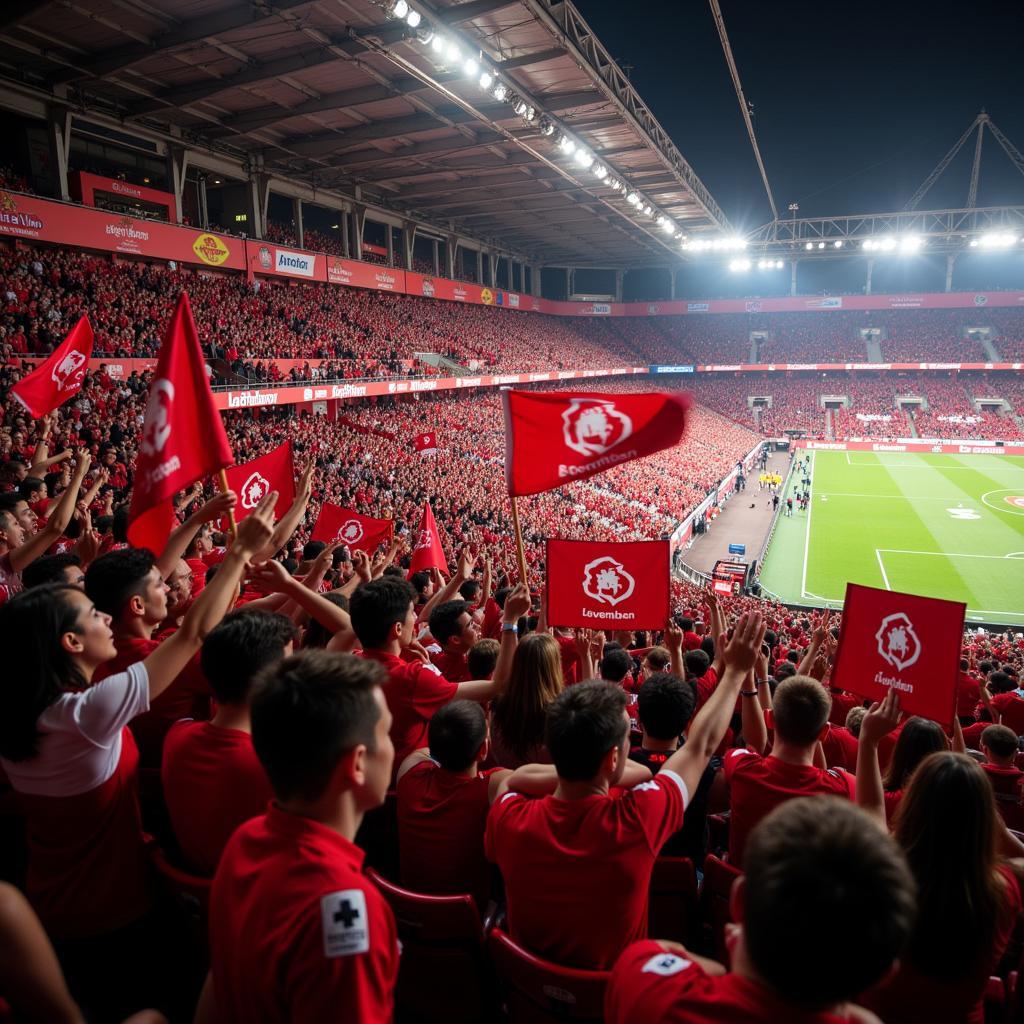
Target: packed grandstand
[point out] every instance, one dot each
(261, 763)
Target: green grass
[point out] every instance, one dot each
(935, 525)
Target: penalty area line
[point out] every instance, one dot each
(881, 566)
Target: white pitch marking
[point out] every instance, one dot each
(807, 532)
(885, 579)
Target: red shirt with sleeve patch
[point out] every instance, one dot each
(414, 691)
(297, 932)
(577, 871)
(649, 985)
(757, 785)
(213, 782)
(441, 821)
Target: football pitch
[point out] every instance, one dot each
(949, 526)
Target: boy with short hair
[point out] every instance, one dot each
(999, 745)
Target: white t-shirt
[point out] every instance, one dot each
(81, 743)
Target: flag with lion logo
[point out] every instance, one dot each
(253, 481)
(61, 376)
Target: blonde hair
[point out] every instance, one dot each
(535, 681)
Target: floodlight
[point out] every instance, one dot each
(530, 115)
(649, 211)
(600, 172)
(887, 244)
(809, 246)
(838, 243)
(400, 9)
(632, 199)
(779, 264)
(614, 184)
(821, 245)
(413, 18)
(452, 52)
(485, 80)
(471, 68)
(500, 92)
(738, 265)
(668, 227)
(566, 145)
(997, 240)
(519, 106)
(910, 243)
(437, 44)
(584, 158)
(546, 127)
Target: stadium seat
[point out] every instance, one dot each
(718, 880)
(672, 907)
(189, 893)
(536, 991)
(443, 975)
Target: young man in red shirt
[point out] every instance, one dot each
(577, 864)
(758, 784)
(1004, 702)
(297, 931)
(824, 908)
(452, 625)
(212, 778)
(383, 613)
(999, 745)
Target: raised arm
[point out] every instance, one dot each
(582, 639)
(463, 571)
(881, 719)
(217, 597)
(674, 643)
(180, 538)
(755, 732)
(287, 524)
(817, 638)
(717, 630)
(517, 604)
(708, 728)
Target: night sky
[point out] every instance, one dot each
(854, 103)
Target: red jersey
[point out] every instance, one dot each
(213, 781)
(968, 693)
(297, 932)
(1005, 781)
(841, 704)
(757, 785)
(441, 822)
(1010, 707)
(649, 985)
(571, 665)
(453, 667)
(187, 697)
(556, 855)
(414, 691)
(840, 746)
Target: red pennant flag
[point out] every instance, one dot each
(553, 438)
(356, 532)
(903, 642)
(183, 438)
(428, 552)
(604, 585)
(253, 481)
(61, 377)
(426, 443)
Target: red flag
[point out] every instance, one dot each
(183, 437)
(61, 377)
(903, 642)
(428, 552)
(553, 438)
(253, 481)
(356, 532)
(603, 585)
(426, 443)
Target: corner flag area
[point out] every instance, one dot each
(949, 526)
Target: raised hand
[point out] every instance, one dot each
(219, 505)
(882, 717)
(740, 652)
(517, 603)
(271, 575)
(256, 529)
(673, 636)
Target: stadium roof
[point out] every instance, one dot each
(340, 93)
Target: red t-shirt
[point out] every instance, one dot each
(1005, 781)
(650, 986)
(757, 785)
(1011, 708)
(414, 691)
(972, 735)
(841, 704)
(840, 746)
(577, 871)
(453, 667)
(441, 821)
(571, 665)
(297, 932)
(968, 693)
(213, 781)
(187, 697)
(908, 996)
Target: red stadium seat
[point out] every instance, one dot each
(537, 991)
(443, 974)
(718, 881)
(672, 907)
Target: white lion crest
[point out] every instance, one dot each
(158, 417)
(897, 641)
(68, 373)
(254, 490)
(606, 581)
(592, 426)
(351, 531)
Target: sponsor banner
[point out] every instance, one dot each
(786, 367)
(267, 258)
(966, 447)
(824, 302)
(672, 369)
(84, 186)
(902, 642)
(366, 275)
(41, 220)
(603, 585)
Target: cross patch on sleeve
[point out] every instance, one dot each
(665, 964)
(345, 925)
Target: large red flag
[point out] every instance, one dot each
(426, 443)
(183, 438)
(61, 377)
(604, 585)
(902, 642)
(355, 531)
(428, 552)
(553, 438)
(253, 481)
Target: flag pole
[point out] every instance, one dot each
(520, 552)
(222, 479)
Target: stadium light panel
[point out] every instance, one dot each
(887, 244)
(739, 265)
(546, 127)
(838, 243)
(632, 199)
(530, 115)
(566, 145)
(413, 18)
(779, 264)
(821, 245)
(437, 44)
(500, 92)
(485, 80)
(452, 52)
(809, 246)
(997, 240)
(600, 172)
(668, 227)
(649, 211)
(584, 158)
(471, 68)
(519, 106)
(910, 243)
(399, 9)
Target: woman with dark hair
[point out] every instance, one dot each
(918, 738)
(520, 714)
(969, 892)
(73, 764)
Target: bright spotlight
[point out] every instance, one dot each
(838, 243)
(779, 264)
(500, 92)
(519, 106)
(486, 80)
(600, 172)
(809, 246)
(997, 240)
(400, 9)
(910, 243)
(821, 245)
(453, 53)
(649, 211)
(471, 68)
(667, 226)
(615, 185)
(632, 199)
(887, 244)
(437, 44)
(566, 145)
(530, 115)
(739, 265)
(413, 18)
(584, 158)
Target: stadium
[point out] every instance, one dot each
(389, 410)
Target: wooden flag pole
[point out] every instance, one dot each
(520, 551)
(222, 479)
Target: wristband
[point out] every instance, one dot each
(762, 682)
(509, 627)
(748, 693)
